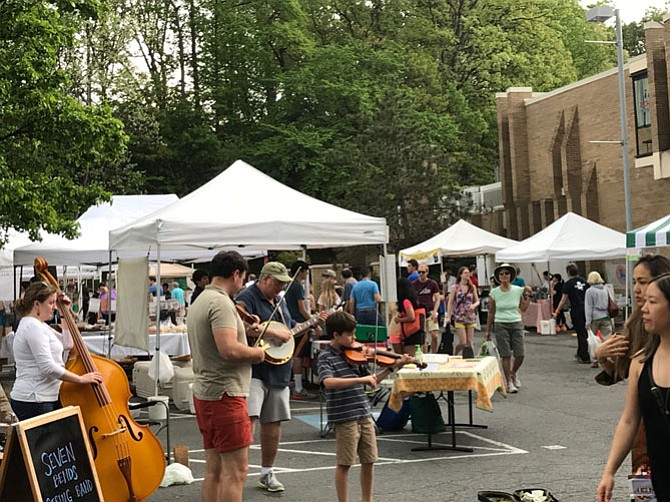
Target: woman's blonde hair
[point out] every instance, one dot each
(595, 278)
(329, 297)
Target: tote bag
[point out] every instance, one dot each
(408, 329)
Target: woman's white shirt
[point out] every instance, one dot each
(38, 352)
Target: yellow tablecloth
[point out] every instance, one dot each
(481, 375)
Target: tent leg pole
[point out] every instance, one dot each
(158, 316)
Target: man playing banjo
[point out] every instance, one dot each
(269, 393)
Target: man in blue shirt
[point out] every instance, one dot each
(412, 270)
(364, 299)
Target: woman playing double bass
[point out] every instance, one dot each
(38, 352)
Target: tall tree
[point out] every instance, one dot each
(55, 153)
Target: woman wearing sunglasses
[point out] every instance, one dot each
(506, 304)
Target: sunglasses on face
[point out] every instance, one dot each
(503, 273)
(423, 271)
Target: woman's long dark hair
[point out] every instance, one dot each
(405, 291)
(633, 330)
(653, 340)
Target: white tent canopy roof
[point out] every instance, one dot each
(242, 207)
(571, 237)
(92, 246)
(460, 239)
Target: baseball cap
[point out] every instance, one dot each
(329, 273)
(276, 270)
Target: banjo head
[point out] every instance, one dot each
(277, 352)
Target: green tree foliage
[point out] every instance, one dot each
(382, 106)
(57, 156)
(633, 33)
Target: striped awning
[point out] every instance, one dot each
(654, 234)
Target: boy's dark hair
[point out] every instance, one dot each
(225, 263)
(572, 270)
(340, 322)
(347, 273)
(199, 274)
(298, 265)
(413, 262)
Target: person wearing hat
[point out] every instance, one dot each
(506, 303)
(269, 394)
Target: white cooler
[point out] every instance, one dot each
(178, 389)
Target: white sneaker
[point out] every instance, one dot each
(517, 382)
(270, 483)
(511, 388)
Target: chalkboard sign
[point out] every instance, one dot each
(48, 457)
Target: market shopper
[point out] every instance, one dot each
(647, 397)
(428, 297)
(506, 304)
(406, 312)
(365, 299)
(596, 304)
(463, 302)
(38, 355)
(201, 279)
(614, 355)
(222, 363)
(574, 290)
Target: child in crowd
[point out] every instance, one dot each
(348, 406)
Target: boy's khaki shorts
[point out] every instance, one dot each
(356, 436)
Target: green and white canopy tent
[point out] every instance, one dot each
(654, 234)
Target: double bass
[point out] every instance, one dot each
(128, 457)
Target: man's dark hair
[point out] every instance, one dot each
(340, 322)
(413, 262)
(298, 265)
(225, 263)
(152, 278)
(365, 271)
(199, 274)
(347, 273)
(572, 270)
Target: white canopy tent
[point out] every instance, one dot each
(244, 208)
(460, 239)
(571, 237)
(92, 246)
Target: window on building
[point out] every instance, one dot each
(642, 114)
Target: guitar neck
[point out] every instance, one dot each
(311, 322)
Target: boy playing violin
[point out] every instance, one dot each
(348, 407)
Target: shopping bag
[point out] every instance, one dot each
(641, 488)
(389, 420)
(594, 342)
(426, 414)
(165, 368)
(488, 348)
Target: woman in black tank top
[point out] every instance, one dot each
(647, 397)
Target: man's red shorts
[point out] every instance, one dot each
(224, 424)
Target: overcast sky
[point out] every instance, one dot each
(632, 10)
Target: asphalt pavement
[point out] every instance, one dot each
(554, 434)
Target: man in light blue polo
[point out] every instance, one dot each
(364, 301)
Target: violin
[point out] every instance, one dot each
(246, 316)
(361, 354)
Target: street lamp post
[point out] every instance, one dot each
(600, 14)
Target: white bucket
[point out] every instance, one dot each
(159, 410)
(191, 406)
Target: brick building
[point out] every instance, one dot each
(548, 165)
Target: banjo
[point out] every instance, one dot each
(278, 352)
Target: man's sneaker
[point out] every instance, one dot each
(516, 381)
(511, 388)
(269, 482)
(303, 395)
